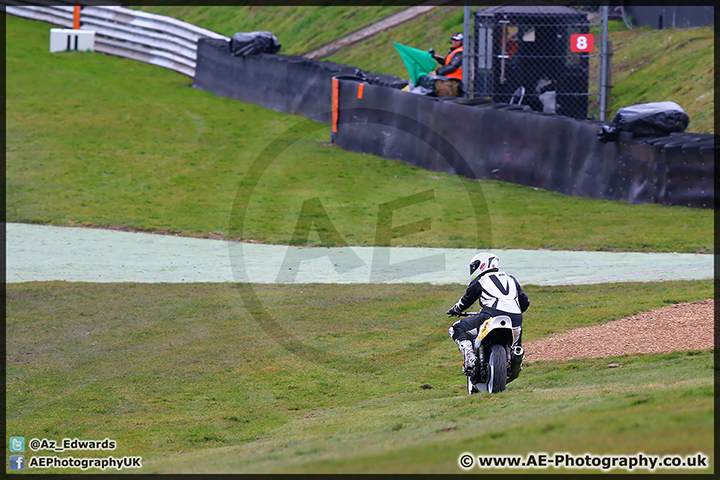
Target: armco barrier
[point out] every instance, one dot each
(512, 144)
(124, 32)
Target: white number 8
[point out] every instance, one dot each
(581, 43)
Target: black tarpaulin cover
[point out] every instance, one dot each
(646, 120)
(253, 43)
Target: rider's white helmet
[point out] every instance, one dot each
(483, 262)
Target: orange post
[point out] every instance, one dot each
(361, 87)
(76, 17)
(335, 101)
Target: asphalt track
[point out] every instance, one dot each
(47, 253)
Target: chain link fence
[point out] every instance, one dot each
(546, 57)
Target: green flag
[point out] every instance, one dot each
(418, 62)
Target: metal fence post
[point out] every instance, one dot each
(604, 64)
(608, 81)
(467, 81)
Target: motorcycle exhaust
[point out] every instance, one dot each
(516, 358)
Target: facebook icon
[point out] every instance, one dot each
(17, 462)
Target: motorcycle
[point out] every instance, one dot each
(499, 359)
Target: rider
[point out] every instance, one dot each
(498, 293)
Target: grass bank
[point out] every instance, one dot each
(676, 64)
(648, 65)
(186, 377)
(299, 29)
(104, 141)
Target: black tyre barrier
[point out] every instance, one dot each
(517, 145)
(284, 83)
(505, 142)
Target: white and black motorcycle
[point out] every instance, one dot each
(499, 358)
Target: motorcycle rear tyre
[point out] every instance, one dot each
(497, 369)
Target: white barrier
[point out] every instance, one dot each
(123, 32)
(64, 39)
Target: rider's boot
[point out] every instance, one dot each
(471, 360)
(517, 335)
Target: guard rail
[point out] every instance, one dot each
(124, 32)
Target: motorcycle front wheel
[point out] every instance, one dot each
(497, 366)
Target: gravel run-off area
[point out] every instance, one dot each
(682, 326)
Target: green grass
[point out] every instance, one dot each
(296, 27)
(104, 141)
(186, 377)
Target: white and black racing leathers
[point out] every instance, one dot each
(499, 294)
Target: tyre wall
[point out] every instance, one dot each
(510, 143)
(284, 83)
(514, 144)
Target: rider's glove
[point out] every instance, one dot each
(454, 311)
